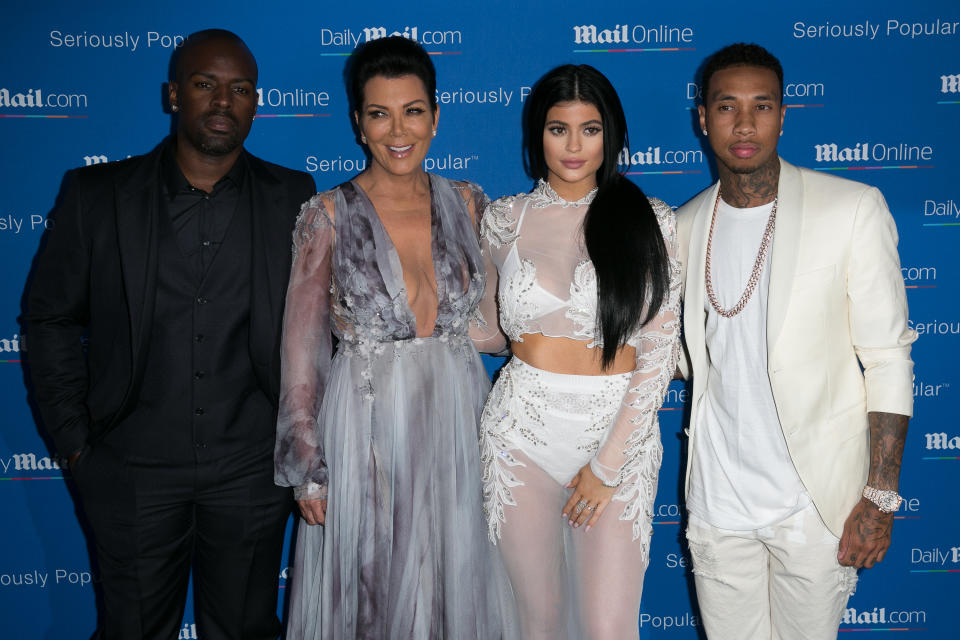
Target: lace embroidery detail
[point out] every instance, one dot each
(517, 308)
(495, 456)
(311, 219)
(543, 195)
(639, 487)
(496, 225)
(515, 418)
(583, 303)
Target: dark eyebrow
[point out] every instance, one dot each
(213, 77)
(716, 97)
(373, 105)
(582, 124)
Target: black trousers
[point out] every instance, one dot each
(153, 522)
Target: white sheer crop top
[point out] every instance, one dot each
(540, 280)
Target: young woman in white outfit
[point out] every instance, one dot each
(582, 276)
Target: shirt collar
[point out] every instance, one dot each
(177, 183)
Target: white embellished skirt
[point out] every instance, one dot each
(538, 429)
(557, 420)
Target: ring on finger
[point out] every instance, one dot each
(590, 508)
(581, 506)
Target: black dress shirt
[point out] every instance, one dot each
(200, 219)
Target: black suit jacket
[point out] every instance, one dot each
(96, 276)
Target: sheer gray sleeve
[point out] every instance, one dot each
(305, 356)
(484, 326)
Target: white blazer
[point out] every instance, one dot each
(838, 343)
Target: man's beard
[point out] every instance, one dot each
(216, 145)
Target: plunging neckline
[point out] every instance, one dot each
(397, 264)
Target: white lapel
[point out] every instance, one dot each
(786, 249)
(695, 317)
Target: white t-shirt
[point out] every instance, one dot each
(742, 476)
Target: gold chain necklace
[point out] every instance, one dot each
(757, 264)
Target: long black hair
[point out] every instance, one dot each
(620, 229)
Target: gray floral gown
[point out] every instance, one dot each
(387, 430)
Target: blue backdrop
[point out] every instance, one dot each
(874, 95)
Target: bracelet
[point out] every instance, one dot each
(613, 484)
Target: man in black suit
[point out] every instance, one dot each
(174, 265)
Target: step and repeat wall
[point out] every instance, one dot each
(873, 94)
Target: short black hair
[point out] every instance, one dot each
(200, 37)
(740, 54)
(390, 57)
(575, 83)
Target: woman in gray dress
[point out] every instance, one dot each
(380, 442)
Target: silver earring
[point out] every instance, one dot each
(434, 133)
(363, 138)
(174, 107)
(781, 131)
(704, 132)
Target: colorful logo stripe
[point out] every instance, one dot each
(17, 115)
(660, 173)
(788, 106)
(653, 49)
(934, 570)
(884, 629)
(292, 115)
(865, 168)
(941, 458)
(432, 53)
(36, 478)
(941, 224)
(948, 101)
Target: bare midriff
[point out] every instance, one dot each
(565, 355)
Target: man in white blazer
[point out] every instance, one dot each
(795, 321)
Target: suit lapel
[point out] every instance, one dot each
(270, 256)
(786, 248)
(694, 315)
(137, 202)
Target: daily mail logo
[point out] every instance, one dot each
(872, 152)
(11, 344)
(40, 99)
(632, 34)
(673, 160)
(935, 556)
(950, 83)
(884, 616)
(28, 462)
(427, 37)
(941, 441)
(100, 158)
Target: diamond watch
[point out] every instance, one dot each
(886, 501)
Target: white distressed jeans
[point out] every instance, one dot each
(781, 582)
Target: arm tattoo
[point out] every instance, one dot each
(888, 433)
